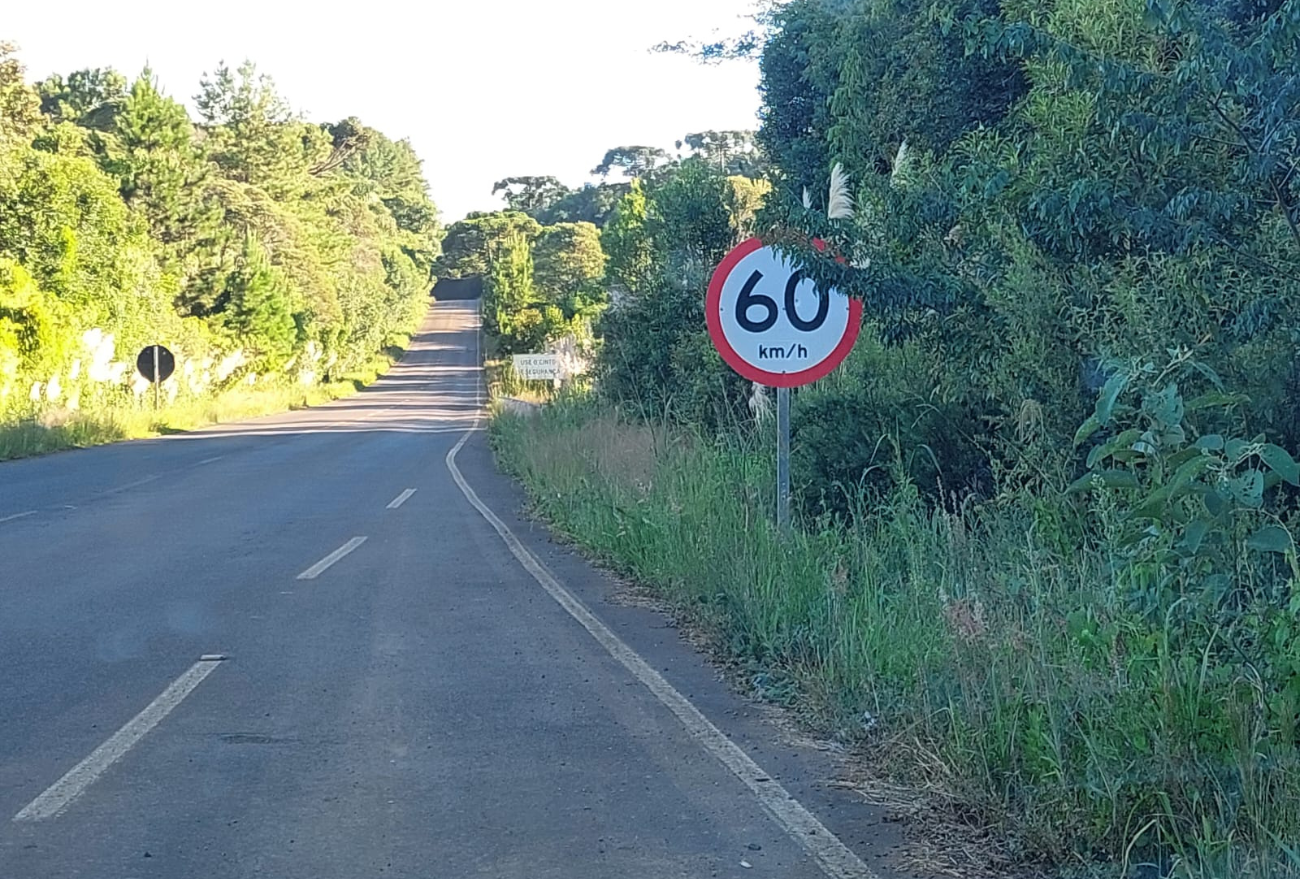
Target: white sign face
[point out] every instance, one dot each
(537, 367)
(770, 324)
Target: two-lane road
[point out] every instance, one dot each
(394, 684)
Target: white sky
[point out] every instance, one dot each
(484, 89)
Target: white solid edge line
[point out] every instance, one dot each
(19, 516)
(211, 460)
(833, 856)
(400, 499)
(73, 784)
(321, 566)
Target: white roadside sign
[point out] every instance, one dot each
(537, 367)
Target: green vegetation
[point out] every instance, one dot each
(276, 257)
(1047, 564)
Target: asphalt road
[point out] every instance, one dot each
(412, 682)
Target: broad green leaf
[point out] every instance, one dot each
(1248, 488)
(1123, 441)
(1153, 505)
(1173, 436)
(1090, 426)
(1211, 442)
(1236, 449)
(1280, 462)
(1214, 399)
(1270, 538)
(1194, 536)
(1109, 394)
(1189, 471)
(1178, 459)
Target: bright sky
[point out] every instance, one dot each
(484, 89)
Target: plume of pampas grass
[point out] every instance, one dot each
(839, 204)
(760, 405)
(807, 199)
(900, 160)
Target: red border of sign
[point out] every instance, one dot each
(712, 315)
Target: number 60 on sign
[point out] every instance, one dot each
(769, 322)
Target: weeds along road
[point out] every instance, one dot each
(324, 644)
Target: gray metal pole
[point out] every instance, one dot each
(783, 460)
(157, 385)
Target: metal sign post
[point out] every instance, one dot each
(156, 364)
(771, 324)
(157, 384)
(783, 460)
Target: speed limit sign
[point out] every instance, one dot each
(770, 324)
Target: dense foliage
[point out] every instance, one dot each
(1077, 239)
(259, 246)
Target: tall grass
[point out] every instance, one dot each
(23, 436)
(986, 652)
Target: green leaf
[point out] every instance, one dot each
(1248, 488)
(1178, 459)
(1164, 406)
(1214, 399)
(1209, 374)
(1189, 471)
(1109, 394)
(1280, 462)
(1123, 441)
(1236, 449)
(1270, 538)
(1211, 442)
(1087, 429)
(1153, 505)
(1194, 536)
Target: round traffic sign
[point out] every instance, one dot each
(770, 324)
(165, 359)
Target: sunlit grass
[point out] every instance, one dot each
(22, 438)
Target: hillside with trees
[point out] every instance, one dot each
(1046, 570)
(263, 249)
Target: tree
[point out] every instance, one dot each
(160, 168)
(530, 194)
(690, 218)
(391, 172)
(589, 204)
(467, 247)
(89, 98)
(731, 152)
(20, 106)
(266, 232)
(568, 267)
(253, 136)
(258, 311)
(743, 199)
(628, 244)
(632, 161)
(513, 314)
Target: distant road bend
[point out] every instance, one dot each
(325, 644)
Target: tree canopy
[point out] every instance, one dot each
(301, 246)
